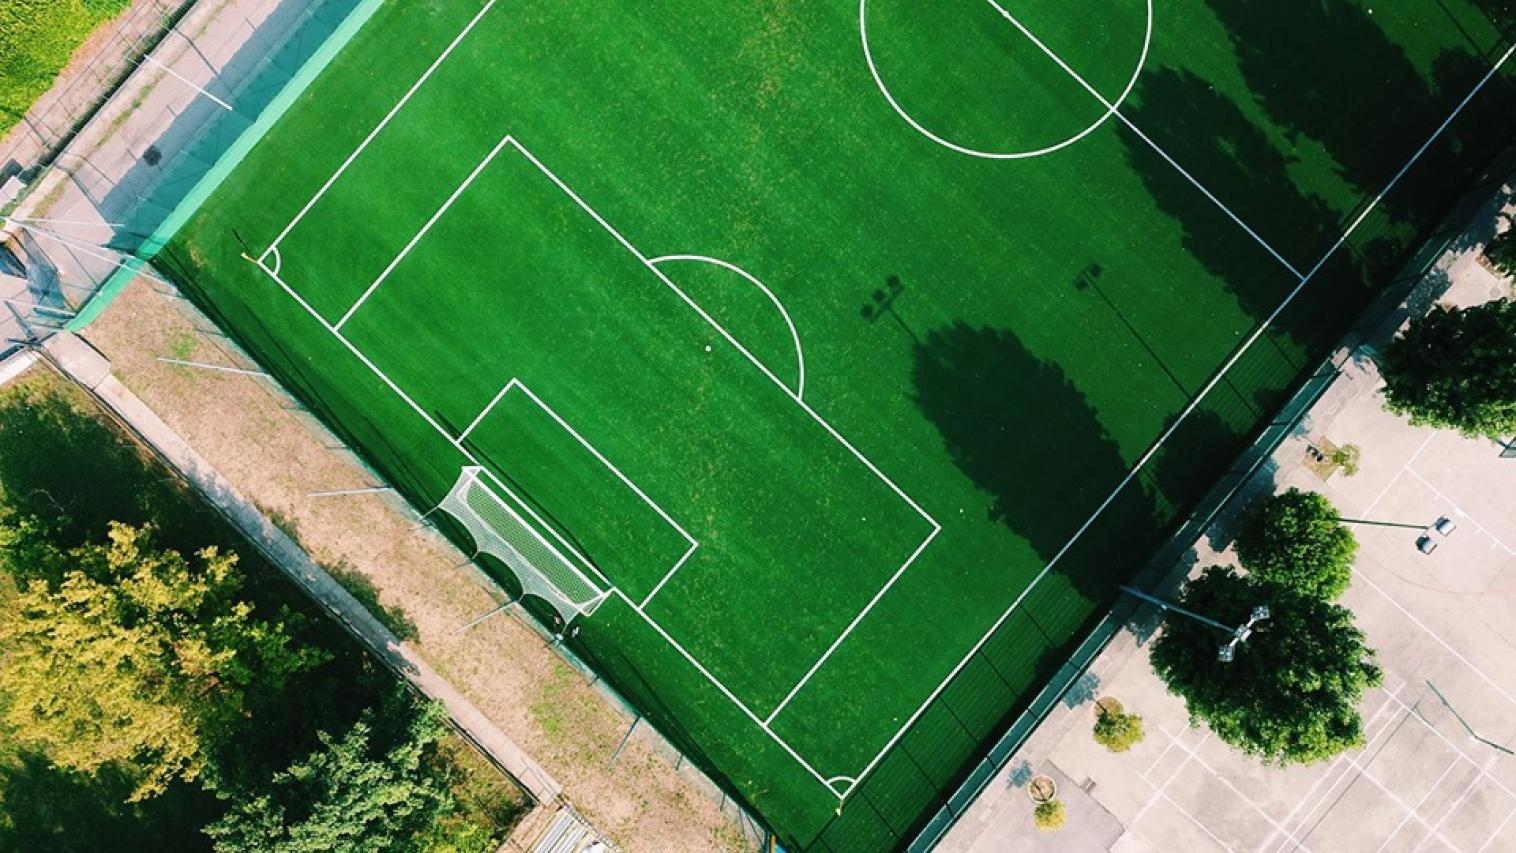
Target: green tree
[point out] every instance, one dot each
(1454, 368)
(352, 794)
(1295, 540)
(138, 659)
(1291, 692)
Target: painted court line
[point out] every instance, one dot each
(1337, 764)
(1194, 754)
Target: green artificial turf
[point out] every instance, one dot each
(988, 345)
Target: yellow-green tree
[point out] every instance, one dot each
(139, 659)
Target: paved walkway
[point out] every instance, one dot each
(87, 367)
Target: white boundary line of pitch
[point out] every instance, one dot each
(1221, 372)
(1137, 467)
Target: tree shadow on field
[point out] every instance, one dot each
(1328, 71)
(1027, 437)
(1211, 136)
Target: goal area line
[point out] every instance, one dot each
(839, 786)
(515, 384)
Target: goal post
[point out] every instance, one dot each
(499, 530)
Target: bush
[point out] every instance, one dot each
(1118, 731)
(1346, 458)
(1295, 540)
(1049, 816)
(1501, 251)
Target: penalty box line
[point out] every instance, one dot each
(469, 456)
(516, 384)
(935, 528)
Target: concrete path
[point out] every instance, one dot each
(91, 370)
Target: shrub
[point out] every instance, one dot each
(1346, 458)
(1049, 816)
(1118, 731)
(1501, 251)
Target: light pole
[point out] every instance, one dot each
(1425, 543)
(1238, 634)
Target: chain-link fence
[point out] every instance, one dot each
(127, 138)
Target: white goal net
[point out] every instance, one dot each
(501, 532)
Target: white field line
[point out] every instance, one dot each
(673, 570)
(693, 661)
(868, 57)
(484, 412)
(798, 401)
(1332, 768)
(625, 480)
(853, 624)
(188, 82)
(415, 87)
(1147, 456)
(421, 234)
(1436, 829)
(1143, 136)
(425, 416)
(799, 389)
(1353, 226)
(1184, 414)
(278, 259)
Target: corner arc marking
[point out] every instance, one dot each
(868, 57)
(799, 389)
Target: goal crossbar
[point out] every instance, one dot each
(500, 531)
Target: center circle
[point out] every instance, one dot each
(1105, 106)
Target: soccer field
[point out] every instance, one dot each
(832, 363)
